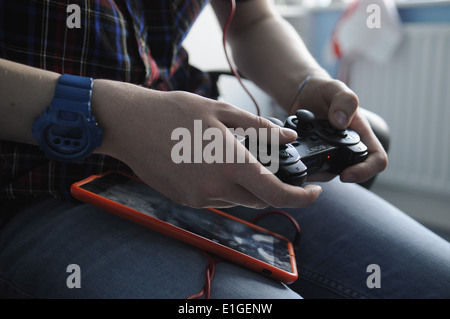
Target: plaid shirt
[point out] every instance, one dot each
(134, 41)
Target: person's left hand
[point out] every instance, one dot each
(332, 99)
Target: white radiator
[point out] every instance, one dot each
(412, 93)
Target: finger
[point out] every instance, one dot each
(343, 104)
(216, 195)
(234, 117)
(236, 195)
(377, 160)
(258, 180)
(226, 204)
(362, 172)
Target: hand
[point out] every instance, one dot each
(332, 99)
(138, 124)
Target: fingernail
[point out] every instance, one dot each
(340, 118)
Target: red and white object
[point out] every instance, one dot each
(369, 29)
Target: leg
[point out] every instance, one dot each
(350, 228)
(117, 259)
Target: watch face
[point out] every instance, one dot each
(66, 139)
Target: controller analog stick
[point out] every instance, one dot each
(305, 120)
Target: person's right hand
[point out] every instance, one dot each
(138, 124)
(333, 100)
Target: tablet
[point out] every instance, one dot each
(209, 229)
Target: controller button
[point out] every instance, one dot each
(304, 120)
(291, 122)
(305, 115)
(359, 148)
(293, 169)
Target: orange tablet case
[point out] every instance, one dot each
(187, 236)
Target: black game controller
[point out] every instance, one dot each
(291, 170)
(319, 147)
(322, 147)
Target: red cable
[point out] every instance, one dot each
(224, 42)
(298, 233)
(297, 227)
(209, 274)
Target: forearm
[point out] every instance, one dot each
(276, 59)
(24, 93)
(267, 50)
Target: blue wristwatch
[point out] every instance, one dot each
(67, 130)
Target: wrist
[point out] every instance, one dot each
(296, 86)
(119, 108)
(106, 107)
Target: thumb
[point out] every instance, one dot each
(343, 106)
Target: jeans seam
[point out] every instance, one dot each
(331, 285)
(6, 283)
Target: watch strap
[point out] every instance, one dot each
(73, 95)
(67, 130)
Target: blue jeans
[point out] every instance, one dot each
(345, 231)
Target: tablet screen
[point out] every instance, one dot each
(203, 222)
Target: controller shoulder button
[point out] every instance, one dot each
(297, 168)
(359, 148)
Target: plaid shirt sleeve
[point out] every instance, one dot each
(134, 41)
